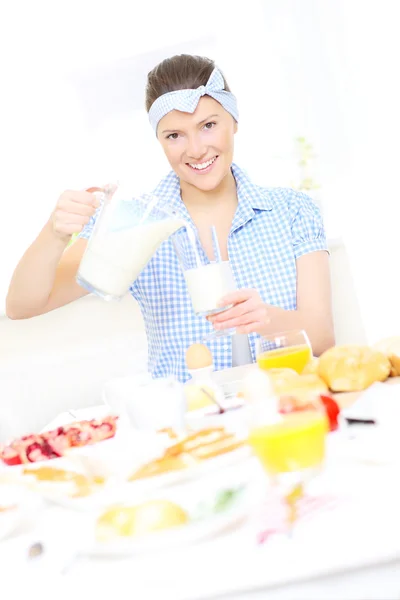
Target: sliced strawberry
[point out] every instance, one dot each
(57, 439)
(79, 434)
(332, 411)
(37, 450)
(10, 456)
(104, 429)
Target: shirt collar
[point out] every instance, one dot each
(251, 197)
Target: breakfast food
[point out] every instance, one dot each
(198, 396)
(169, 432)
(391, 348)
(165, 464)
(195, 448)
(80, 484)
(287, 382)
(205, 443)
(311, 367)
(54, 443)
(147, 517)
(352, 368)
(198, 356)
(281, 377)
(321, 402)
(302, 386)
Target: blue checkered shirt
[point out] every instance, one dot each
(272, 227)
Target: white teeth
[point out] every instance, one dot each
(201, 166)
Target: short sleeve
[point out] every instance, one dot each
(308, 232)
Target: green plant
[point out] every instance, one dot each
(305, 161)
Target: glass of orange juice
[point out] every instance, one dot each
(289, 349)
(291, 448)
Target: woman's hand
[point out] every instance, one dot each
(73, 211)
(249, 314)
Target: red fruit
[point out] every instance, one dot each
(37, 449)
(57, 439)
(332, 411)
(79, 434)
(10, 456)
(54, 443)
(104, 429)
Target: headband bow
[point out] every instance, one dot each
(187, 100)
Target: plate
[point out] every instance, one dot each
(196, 471)
(117, 489)
(199, 501)
(82, 414)
(113, 460)
(16, 504)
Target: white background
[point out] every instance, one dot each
(71, 111)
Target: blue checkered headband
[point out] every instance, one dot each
(187, 100)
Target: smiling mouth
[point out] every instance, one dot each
(204, 166)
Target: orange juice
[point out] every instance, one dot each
(294, 443)
(292, 357)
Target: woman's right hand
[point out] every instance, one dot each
(73, 211)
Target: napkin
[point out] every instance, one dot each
(379, 403)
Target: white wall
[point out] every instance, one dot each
(319, 69)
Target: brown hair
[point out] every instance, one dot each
(180, 72)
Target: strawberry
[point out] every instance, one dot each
(10, 456)
(332, 411)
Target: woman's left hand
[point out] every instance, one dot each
(249, 314)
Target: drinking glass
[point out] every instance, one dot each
(127, 232)
(289, 349)
(291, 449)
(207, 281)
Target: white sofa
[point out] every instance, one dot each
(60, 360)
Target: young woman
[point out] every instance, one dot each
(274, 238)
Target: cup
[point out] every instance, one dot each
(286, 350)
(118, 392)
(207, 281)
(149, 404)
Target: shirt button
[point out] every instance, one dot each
(226, 346)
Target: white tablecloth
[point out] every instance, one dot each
(349, 552)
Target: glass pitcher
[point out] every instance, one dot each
(126, 234)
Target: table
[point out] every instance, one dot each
(354, 555)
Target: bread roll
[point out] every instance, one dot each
(311, 367)
(281, 378)
(352, 368)
(391, 348)
(306, 386)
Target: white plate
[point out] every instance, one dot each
(23, 503)
(190, 498)
(117, 490)
(234, 420)
(201, 469)
(82, 414)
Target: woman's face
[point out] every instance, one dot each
(199, 145)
